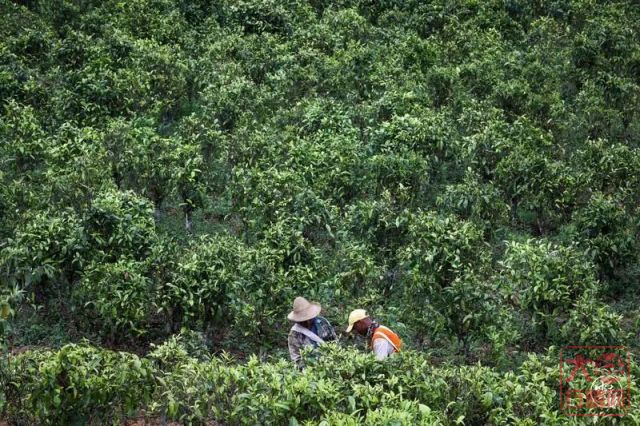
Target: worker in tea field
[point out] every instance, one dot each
(383, 341)
(309, 329)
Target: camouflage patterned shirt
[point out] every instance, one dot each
(321, 327)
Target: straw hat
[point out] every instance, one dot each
(303, 310)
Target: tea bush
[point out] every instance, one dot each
(119, 295)
(467, 171)
(46, 254)
(554, 284)
(608, 235)
(119, 224)
(78, 383)
(342, 385)
(204, 279)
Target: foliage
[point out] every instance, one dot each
(474, 200)
(82, 382)
(9, 296)
(467, 170)
(77, 383)
(204, 279)
(556, 285)
(608, 234)
(443, 247)
(46, 254)
(118, 295)
(187, 343)
(119, 224)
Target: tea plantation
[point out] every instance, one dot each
(173, 173)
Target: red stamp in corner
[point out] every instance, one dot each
(595, 380)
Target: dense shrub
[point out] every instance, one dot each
(46, 254)
(556, 285)
(472, 199)
(608, 234)
(82, 383)
(443, 248)
(468, 171)
(119, 295)
(119, 224)
(78, 383)
(204, 280)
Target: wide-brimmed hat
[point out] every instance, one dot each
(303, 310)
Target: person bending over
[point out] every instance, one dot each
(309, 329)
(382, 340)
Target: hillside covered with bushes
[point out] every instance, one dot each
(175, 172)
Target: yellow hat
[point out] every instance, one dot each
(356, 316)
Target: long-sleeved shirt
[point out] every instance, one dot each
(321, 327)
(382, 348)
